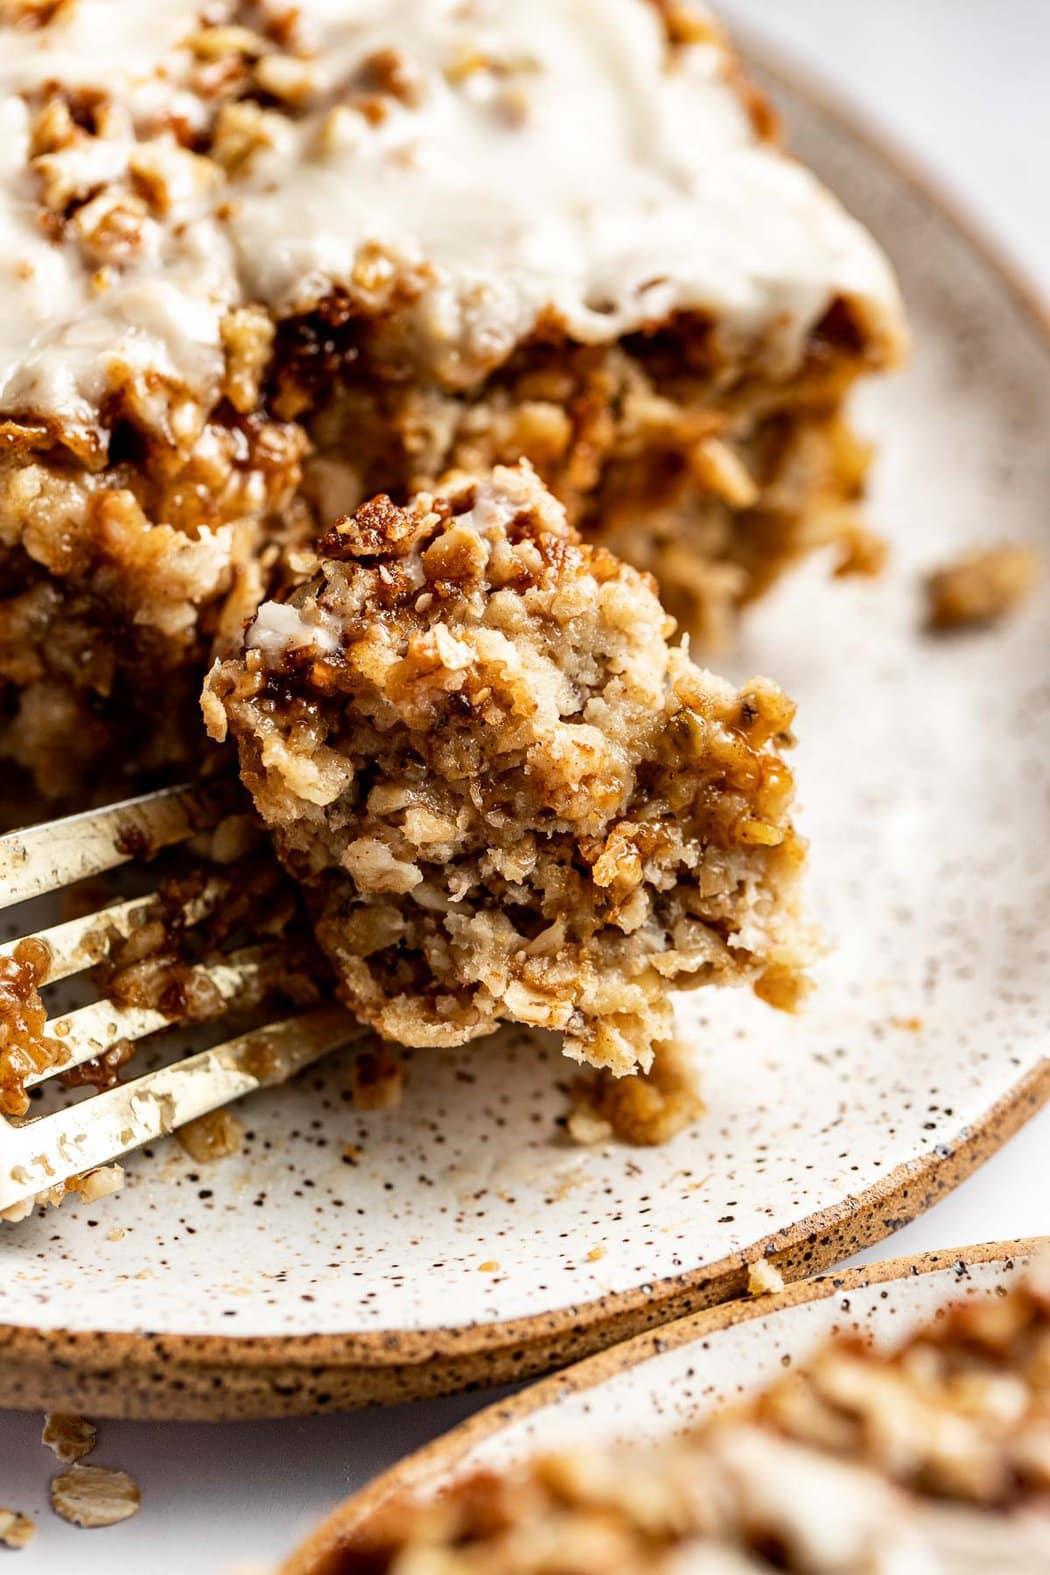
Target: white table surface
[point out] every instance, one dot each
(963, 83)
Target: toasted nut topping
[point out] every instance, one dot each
(211, 43)
(247, 337)
(287, 78)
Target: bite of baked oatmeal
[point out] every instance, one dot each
(507, 793)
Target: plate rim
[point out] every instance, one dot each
(425, 1467)
(144, 1375)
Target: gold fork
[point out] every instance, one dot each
(40, 1157)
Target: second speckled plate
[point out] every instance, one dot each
(467, 1242)
(650, 1389)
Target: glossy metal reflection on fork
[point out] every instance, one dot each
(39, 1155)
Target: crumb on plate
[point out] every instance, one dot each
(16, 1530)
(216, 1135)
(981, 587)
(645, 1109)
(93, 1496)
(763, 1278)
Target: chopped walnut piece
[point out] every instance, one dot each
(719, 469)
(981, 587)
(102, 1071)
(287, 77)
(16, 1530)
(52, 128)
(763, 1278)
(90, 1186)
(33, 13)
(242, 130)
(68, 1436)
(211, 43)
(247, 337)
(216, 1135)
(92, 1496)
(687, 24)
(110, 228)
(863, 553)
(390, 72)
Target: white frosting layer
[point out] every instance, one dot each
(64, 338)
(548, 155)
(279, 628)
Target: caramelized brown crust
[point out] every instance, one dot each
(25, 1047)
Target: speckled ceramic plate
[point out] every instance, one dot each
(467, 1242)
(651, 1387)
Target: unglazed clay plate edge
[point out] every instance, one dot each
(666, 1382)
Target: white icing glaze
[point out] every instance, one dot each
(584, 169)
(280, 627)
(63, 340)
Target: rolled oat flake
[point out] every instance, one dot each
(93, 1496)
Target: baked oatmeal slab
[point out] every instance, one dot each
(259, 263)
(508, 795)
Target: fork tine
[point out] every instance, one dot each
(93, 1029)
(59, 852)
(41, 1154)
(80, 942)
